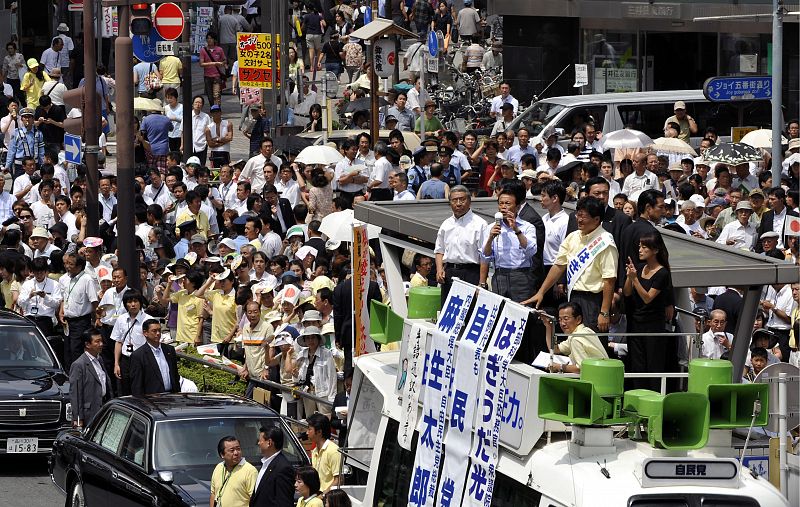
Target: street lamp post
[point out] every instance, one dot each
(91, 119)
(777, 90)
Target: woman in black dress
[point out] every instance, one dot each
(647, 289)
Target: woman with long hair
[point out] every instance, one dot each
(320, 196)
(33, 81)
(315, 125)
(648, 292)
(337, 497)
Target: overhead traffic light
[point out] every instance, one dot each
(141, 19)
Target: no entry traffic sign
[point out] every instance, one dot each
(169, 21)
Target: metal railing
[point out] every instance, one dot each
(294, 391)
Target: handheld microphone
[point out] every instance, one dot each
(498, 218)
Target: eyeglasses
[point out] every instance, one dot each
(25, 217)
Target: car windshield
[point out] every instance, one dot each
(193, 442)
(537, 117)
(23, 347)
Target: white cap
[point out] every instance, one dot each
(698, 200)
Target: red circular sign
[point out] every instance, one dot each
(169, 21)
(794, 225)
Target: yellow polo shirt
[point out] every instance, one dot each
(189, 309)
(603, 266)
(234, 489)
(312, 501)
(201, 218)
(253, 341)
(326, 461)
(224, 318)
(170, 68)
(579, 348)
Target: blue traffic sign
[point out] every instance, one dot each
(144, 46)
(433, 44)
(72, 149)
(726, 89)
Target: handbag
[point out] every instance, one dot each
(152, 81)
(223, 76)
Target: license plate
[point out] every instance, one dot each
(22, 445)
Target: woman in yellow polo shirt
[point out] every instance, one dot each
(190, 307)
(223, 302)
(306, 484)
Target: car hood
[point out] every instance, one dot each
(194, 483)
(33, 381)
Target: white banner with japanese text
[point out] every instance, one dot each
(435, 393)
(505, 341)
(362, 343)
(463, 405)
(408, 382)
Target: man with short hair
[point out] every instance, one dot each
(507, 116)
(50, 120)
(515, 153)
(401, 190)
(774, 219)
(233, 479)
(254, 168)
(458, 242)
(51, 58)
(90, 382)
(505, 97)
(275, 482)
(716, 341)
(641, 179)
(325, 456)
(405, 116)
(154, 367)
(78, 306)
(581, 343)
(256, 335)
(588, 257)
(193, 212)
(350, 177)
(106, 198)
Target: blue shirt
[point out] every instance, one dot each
(506, 250)
(432, 189)
(452, 176)
(25, 143)
(416, 177)
(181, 248)
(515, 153)
(157, 128)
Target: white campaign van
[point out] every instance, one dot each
(644, 111)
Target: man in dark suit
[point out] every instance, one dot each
(650, 207)
(275, 482)
(777, 206)
(343, 312)
(340, 402)
(280, 209)
(730, 302)
(154, 368)
(90, 384)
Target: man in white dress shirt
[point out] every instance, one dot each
(78, 305)
(716, 341)
(740, 233)
(40, 297)
(640, 179)
(288, 187)
(351, 175)
(127, 337)
(555, 221)
(505, 97)
(254, 168)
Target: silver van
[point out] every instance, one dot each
(644, 111)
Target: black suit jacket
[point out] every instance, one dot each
(86, 390)
(343, 312)
(145, 374)
(614, 221)
(531, 216)
(766, 225)
(286, 213)
(276, 488)
(730, 301)
(340, 424)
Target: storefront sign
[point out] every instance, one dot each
(725, 89)
(646, 10)
(254, 51)
(615, 80)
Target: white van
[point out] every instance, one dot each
(644, 111)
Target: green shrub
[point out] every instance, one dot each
(209, 380)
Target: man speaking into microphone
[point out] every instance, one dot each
(509, 244)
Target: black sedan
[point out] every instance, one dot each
(159, 450)
(34, 389)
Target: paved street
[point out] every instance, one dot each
(24, 482)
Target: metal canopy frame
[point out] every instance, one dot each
(694, 262)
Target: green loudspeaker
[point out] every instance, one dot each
(675, 421)
(385, 326)
(594, 399)
(730, 405)
(424, 302)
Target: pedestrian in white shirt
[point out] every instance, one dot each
(127, 335)
(780, 304)
(254, 168)
(639, 180)
(40, 297)
(78, 305)
(379, 178)
(716, 341)
(740, 233)
(200, 121)
(317, 371)
(288, 187)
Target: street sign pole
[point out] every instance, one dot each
(777, 90)
(186, 85)
(91, 119)
(123, 67)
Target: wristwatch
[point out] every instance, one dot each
(605, 314)
(483, 285)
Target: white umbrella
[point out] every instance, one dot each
(319, 155)
(145, 104)
(761, 138)
(339, 226)
(626, 139)
(673, 145)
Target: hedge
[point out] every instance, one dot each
(209, 380)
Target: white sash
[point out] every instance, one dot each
(577, 265)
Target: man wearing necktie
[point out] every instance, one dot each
(89, 380)
(154, 367)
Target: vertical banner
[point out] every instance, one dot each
(200, 27)
(464, 397)
(435, 394)
(362, 344)
(254, 51)
(504, 343)
(409, 376)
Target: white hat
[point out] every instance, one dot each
(311, 315)
(62, 27)
(74, 113)
(229, 243)
(700, 161)
(794, 158)
(303, 252)
(221, 276)
(332, 244)
(40, 232)
(282, 338)
(193, 161)
(308, 331)
(770, 234)
(698, 200)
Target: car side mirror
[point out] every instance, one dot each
(165, 477)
